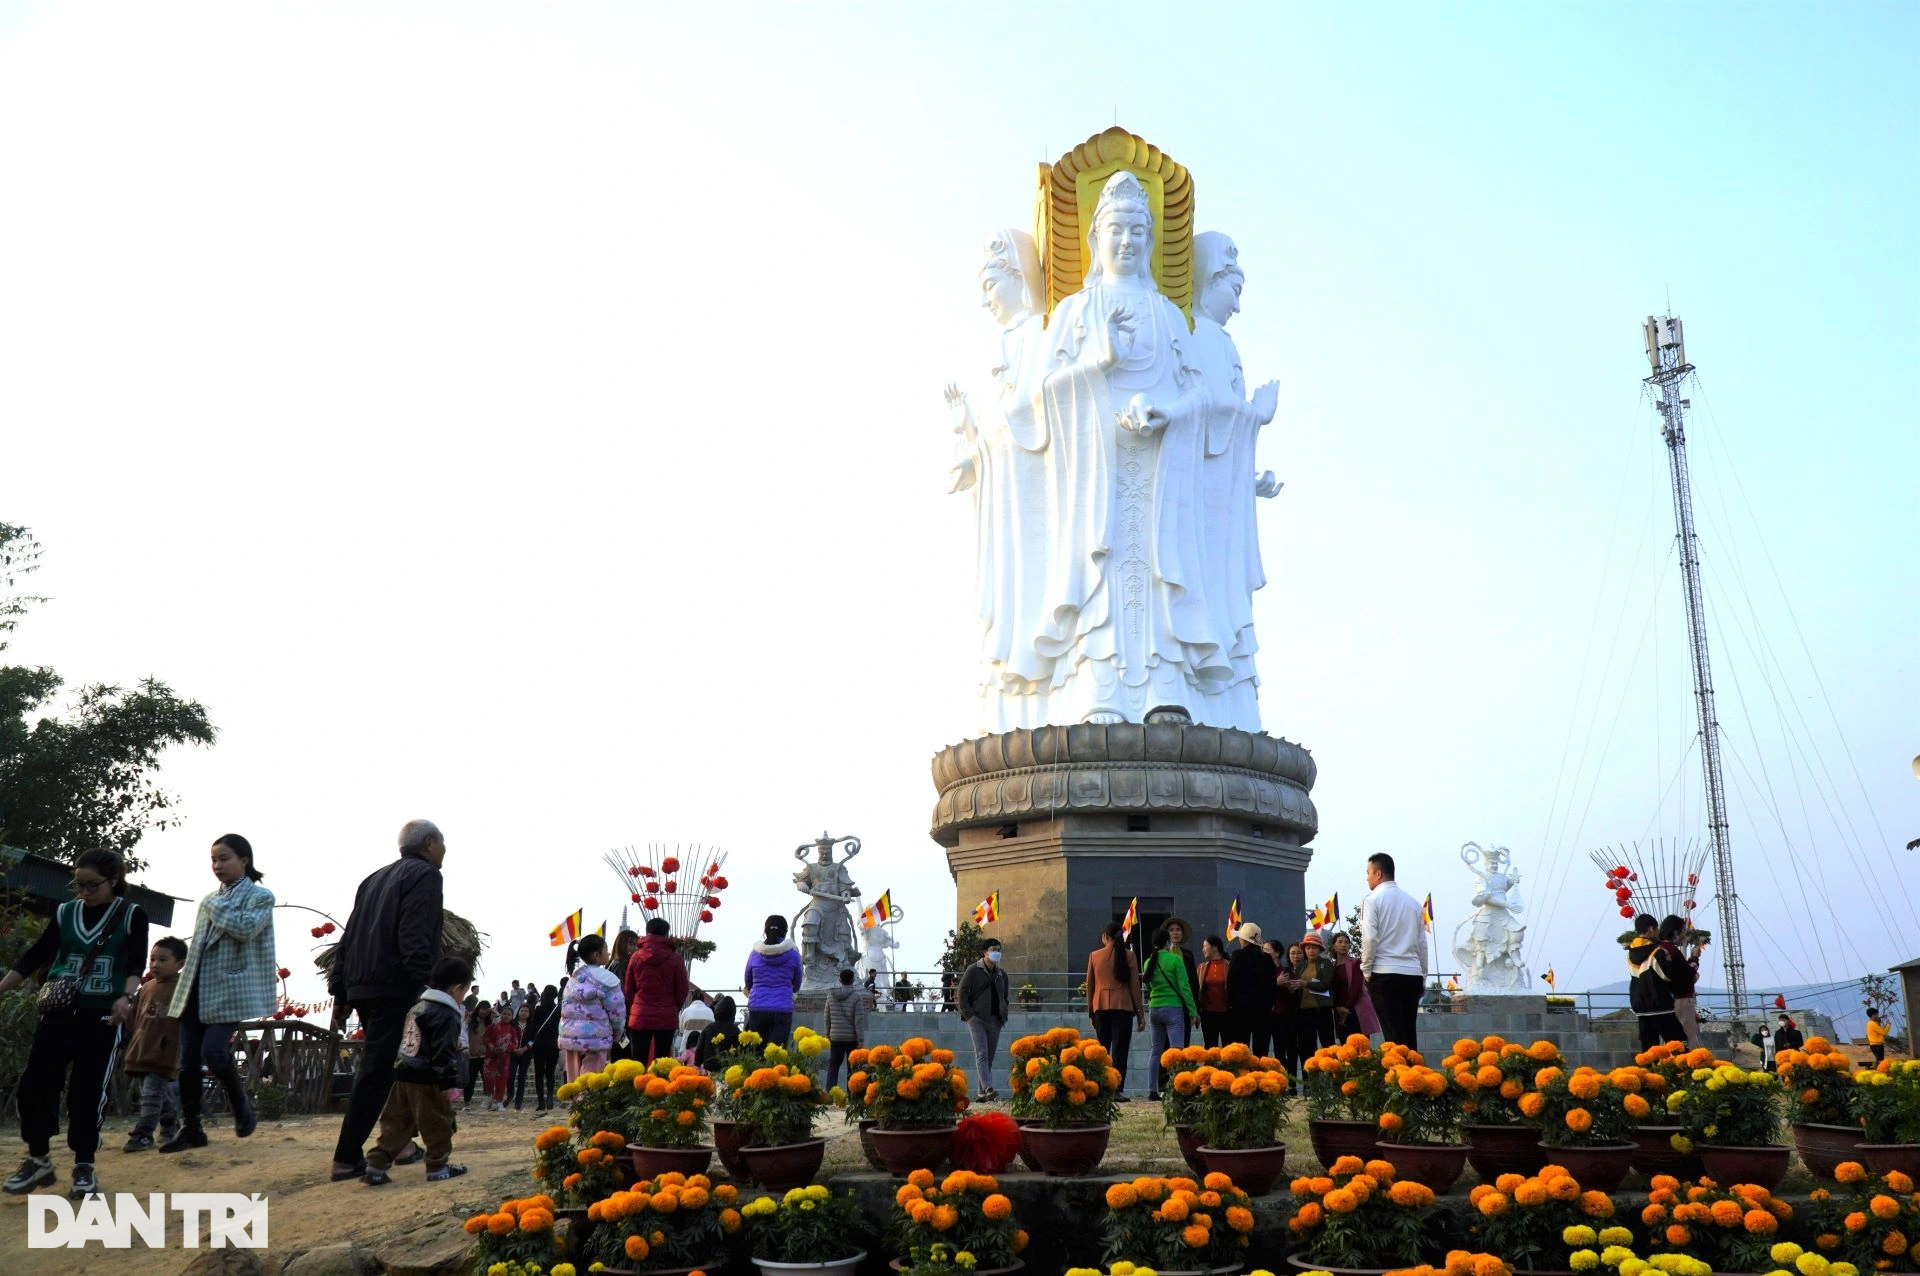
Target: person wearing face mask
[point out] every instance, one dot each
(983, 1008)
(230, 976)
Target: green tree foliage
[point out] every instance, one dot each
(964, 945)
(85, 778)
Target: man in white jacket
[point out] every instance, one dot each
(1393, 952)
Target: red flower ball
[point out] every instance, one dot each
(282, 973)
(635, 897)
(719, 883)
(712, 901)
(1693, 879)
(634, 871)
(299, 1012)
(1689, 905)
(327, 929)
(1626, 910)
(1623, 895)
(705, 915)
(316, 932)
(671, 864)
(672, 886)
(650, 903)
(1633, 877)
(1621, 871)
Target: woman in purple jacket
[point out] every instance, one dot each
(773, 976)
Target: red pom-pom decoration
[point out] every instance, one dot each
(719, 883)
(1633, 877)
(635, 897)
(1693, 879)
(316, 932)
(705, 915)
(672, 886)
(671, 864)
(1689, 905)
(646, 870)
(650, 903)
(1620, 871)
(986, 1144)
(634, 871)
(282, 973)
(1626, 910)
(327, 929)
(1622, 895)
(712, 901)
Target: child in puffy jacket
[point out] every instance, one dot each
(593, 1013)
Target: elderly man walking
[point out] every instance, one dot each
(1393, 952)
(385, 958)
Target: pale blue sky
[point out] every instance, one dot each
(529, 417)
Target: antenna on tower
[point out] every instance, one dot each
(1667, 356)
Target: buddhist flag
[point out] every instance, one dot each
(1453, 985)
(1327, 914)
(882, 911)
(1131, 920)
(1551, 985)
(1233, 917)
(988, 911)
(1426, 913)
(567, 931)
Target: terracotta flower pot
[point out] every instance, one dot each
(1494, 1150)
(1764, 1166)
(1599, 1168)
(904, 1151)
(1823, 1147)
(1190, 1141)
(1253, 1170)
(1335, 1139)
(652, 1162)
(1066, 1152)
(1884, 1158)
(787, 1166)
(1655, 1153)
(579, 1226)
(866, 1145)
(1026, 1152)
(839, 1267)
(728, 1139)
(1437, 1165)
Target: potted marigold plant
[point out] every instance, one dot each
(1346, 1090)
(1731, 1229)
(1459, 1262)
(1584, 1119)
(1871, 1221)
(1420, 1126)
(1537, 1221)
(1063, 1098)
(1886, 1102)
(855, 1107)
(914, 1093)
(1790, 1259)
(1732, 1118)
(672, 1124)
(734, 1057)
(1242, 1106)
(1178, 1225)
(670, 1224)
(606, 1100)
(779, 1102)
(1359, 1216)
(518, 1232)
(964, 1213)
(598, 1171)
(1181, 1107)
(1818, 1081)
(1499, 1139)
(1665, 1070)
(810, 1231)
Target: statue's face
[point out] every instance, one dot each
(1001, 293)
(1124, 240)
(1220, 299)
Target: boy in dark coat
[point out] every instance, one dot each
(153, 1052)
(426, 1077)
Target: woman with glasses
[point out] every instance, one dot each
(91, 956)
(231, 976)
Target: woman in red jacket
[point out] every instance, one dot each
(656, 988)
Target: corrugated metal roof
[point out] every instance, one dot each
(43, 878)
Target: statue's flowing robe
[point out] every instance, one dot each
(1232, 526)
(1129, 622)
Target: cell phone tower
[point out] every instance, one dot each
(1667, 355)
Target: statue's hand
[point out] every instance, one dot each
(1120, 329)
(1141, 417)
(1266, 485)
(1266, 401)
(959, 411)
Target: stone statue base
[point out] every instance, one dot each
(1068, 823)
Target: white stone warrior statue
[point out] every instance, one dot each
(1488, 943)
(825, 926)
(1114, 487)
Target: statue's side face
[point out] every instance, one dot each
(1220, 299)
(1001, 294)
(1124, 240)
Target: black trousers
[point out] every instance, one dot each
(383, 1018)
(74, 1052)
(837, 1052)
(1311, 1030)
(774, 1026)
(1214, 1028)
(518, 1072)
(648, 1044)
(1396, 999)
(545, 1064)
(1655, 1029)
(476, 1065)
(209, 1046)
(1253, 1029)
(1114, 1030)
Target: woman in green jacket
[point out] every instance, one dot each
(1171, 1007)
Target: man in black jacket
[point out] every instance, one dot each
(983, 1008)
(1251, 977)
(385, 957)
(426, 1076)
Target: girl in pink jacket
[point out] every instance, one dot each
(593, 1013)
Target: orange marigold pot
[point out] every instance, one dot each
(728, 1139)
(1066, 1152)
(1335, 1139)
(1253, 1170)
(652, 1162)
(1494, 1150)
(1190, 1140)
(904, 1151)
(1656, 1154)
(1436, 1165)
(1823, 1147)
(1762, 1166)
(1600, 1168)
(1884, 1158)
(788, 1165)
